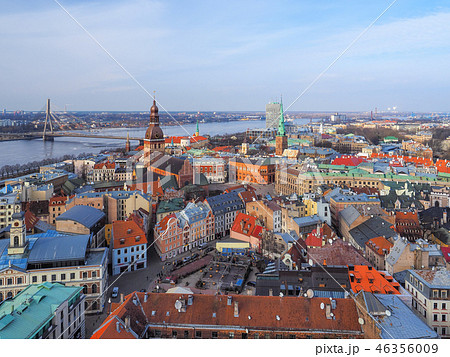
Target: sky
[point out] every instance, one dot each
(225, 55)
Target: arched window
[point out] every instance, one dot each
(94, 288)
(1, 297)
(9, 295)
(16, 241)
(94, 305)
(85, 289)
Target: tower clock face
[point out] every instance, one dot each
(156, 136)
(16, 224)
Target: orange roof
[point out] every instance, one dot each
(370, 280)
(126, 233)
(152, 188)
(415, 159)
(246, 225)
(380, 244)
(254, 313)
(108, 165)
(162, 224)
(223, 148)
(57, 201)
(198, 138)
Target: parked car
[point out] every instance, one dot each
(115, 292)
(186, 259)
(209, 249)
(202, 246)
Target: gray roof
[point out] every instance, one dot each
(85, 215)
(227, 202)
(439, 278)
(349, 215)
(59, 249)
(400, 322)
(396, 251)
(373, 227)
(307, 221)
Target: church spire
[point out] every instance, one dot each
(281, 130)
(197, 131)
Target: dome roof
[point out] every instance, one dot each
(154, 133)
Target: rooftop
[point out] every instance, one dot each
(86, 215)
(33, 308)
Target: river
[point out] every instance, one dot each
(23, 151)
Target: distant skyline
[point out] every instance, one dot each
(225, 56)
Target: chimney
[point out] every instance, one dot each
(121, 298)
(127, 322)
(118, 326)
(229, 300)
(145, 297)
(190, 299)
(324, 262)
(236, 309)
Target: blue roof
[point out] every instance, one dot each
(227, 202)
(85, 215)
(193, 213)
(18, 260)
(307, 221)
(329, 294)
(59, 249)
(403, 323)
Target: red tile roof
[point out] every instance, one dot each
(371, 280)
(347, 160)
(127, 234)
(269, 313)
(58, 201)
(337, 253)
(246, 225)
(446, 253)
(380, 244)
(108, 165)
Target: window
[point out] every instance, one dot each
(174, 334)
(72, 275)
(126, 251)
(34, 279)
(435, 293)
(444, 294)
(53, 277)
(267, 336)
(85, 289)
(9, 281)
(186, 334)
(256, 336)
(444, 317)
(231, 335)
(157, 333)
(198, 334)
(278, 336)
(94, 274)
(435, 305)
(44, 278)
(435, 317)
(85, 275)
(118, 251)
(19, 280)
(118, 261)
(214, 334)
(444, 306)
(94, 288)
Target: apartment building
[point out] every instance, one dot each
(430, 291)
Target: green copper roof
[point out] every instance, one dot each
(30, 311)
(281, 131)
(197, 130)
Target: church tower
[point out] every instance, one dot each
(154, 137)
(17, 236)
(281, 141)
(197, 131)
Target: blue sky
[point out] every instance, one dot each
(228, 55)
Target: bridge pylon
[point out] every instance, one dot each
(48, 119)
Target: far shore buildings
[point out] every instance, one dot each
(44, 311)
